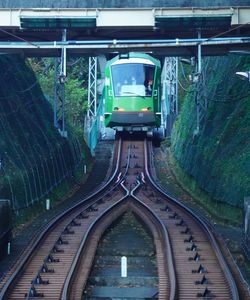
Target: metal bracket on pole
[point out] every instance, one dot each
(59, 89)
(170, 93)
(200, 91)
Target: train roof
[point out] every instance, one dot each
(132, 57)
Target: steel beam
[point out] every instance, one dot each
(10, 17)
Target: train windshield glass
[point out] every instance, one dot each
(133, 79)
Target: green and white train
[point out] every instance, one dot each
(132, 93)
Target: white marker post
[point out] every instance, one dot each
(47, 204)
(8, 248)
(85, 169)
(124, 266)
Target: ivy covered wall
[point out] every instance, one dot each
(34, 158)
(218, 158)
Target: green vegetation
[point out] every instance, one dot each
(34, 157)
(75, 88)
(221, 212)
(184, 187)
(218, 158)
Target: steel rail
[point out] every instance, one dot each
(221, 259)
(169, 252)
(25, 259)
(69, 278)
(74, 265)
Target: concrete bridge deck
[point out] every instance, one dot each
(37, 30)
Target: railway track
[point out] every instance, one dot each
(190, 265)
(200, 269)
(43, 268)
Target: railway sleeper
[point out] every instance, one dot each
(61, 241)
(33, 293)
(92, 208)
(55, 249)
(196, 257)
(50, 259)
(45, 269)
(82, 215)
(174, 216)
(204, 280)
(74, 223)
(39, 280)
(181, 223)
(189, 240)
(158, 201)
(206, 294)
(194, 247)
(186, 231)
(166, 208)
(200, 270)
(67, 230)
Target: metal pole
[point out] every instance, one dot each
(176, 88)
(55, 92)
(63, 76)
(199, 53)
(198, 94)
(89, 87)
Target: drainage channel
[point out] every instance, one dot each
(127, 240)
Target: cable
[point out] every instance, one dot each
(28, 88)
(18, 37)
(222, 33)
(183, 73)
(184, 88)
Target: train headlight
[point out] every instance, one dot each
(146, 109)
(119, 108)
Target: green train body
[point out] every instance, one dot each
(132, 93)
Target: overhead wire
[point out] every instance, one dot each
(185, 89)
(224, 32)
(18, 37)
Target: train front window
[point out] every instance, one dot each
(133, 79)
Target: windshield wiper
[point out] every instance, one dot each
(131, 93)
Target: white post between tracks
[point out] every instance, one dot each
(47, 204)
(124, 266)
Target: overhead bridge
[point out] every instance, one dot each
(166, 31)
